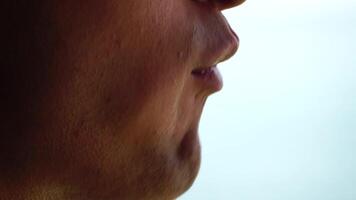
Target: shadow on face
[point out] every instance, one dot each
(98, 98)
(24, 69)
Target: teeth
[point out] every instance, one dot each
(202, 71)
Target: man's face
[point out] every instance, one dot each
(124, 108)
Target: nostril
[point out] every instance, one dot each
(226, 4)
(222, 4)
(201, 1)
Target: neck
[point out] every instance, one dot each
(36, 185)
(32, 191)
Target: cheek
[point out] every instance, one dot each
(151, 70)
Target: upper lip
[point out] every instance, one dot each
(220, 49)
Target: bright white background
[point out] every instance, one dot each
(284, 126)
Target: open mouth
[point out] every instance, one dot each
(202, 72)
(209, 78)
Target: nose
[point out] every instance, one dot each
(226, 4)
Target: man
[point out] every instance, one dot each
(102, 99)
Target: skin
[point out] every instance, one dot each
(100, 102)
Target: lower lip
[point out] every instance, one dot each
(210, 78)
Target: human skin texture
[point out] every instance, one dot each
(104, 104)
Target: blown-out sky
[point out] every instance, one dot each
(284, 125)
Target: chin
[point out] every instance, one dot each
(189, 148)
(189, 155)
(178, 174)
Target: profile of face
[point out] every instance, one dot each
(119, 116)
